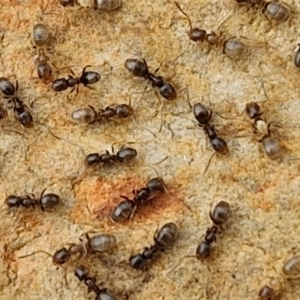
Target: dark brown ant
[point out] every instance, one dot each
(97, 244)
(86, 78)
(21, 111)
(261, 127)
(232, 47)
(126, 208)
(44, 201)
(82, 273)
(105, 5)
(139, 68)
(89, 115)
(203, 117)
(164, 239)
(123, 155)
(273, 10)
(219, 216)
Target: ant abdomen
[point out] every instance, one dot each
(13, 201)
(86, 115)
(136, 67)
(123, 211)
(102, 242)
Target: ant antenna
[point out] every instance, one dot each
(209, 162)
(35, 252)
(265, 92)
(188, 18)
(181, 261)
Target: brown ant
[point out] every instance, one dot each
(21, 111)
(44, 201)
(297, 57)
(164, 239)
(86, 78)
(126, 208)
(203, 117)
(291, 267)
(82, 273)
(273, 10)
(231, 47)
(97, 244)
(219, 216)
(267, 293)
(139, 68)
(123, 155)
(261, 127)
(41, 39)
(105, 5)
(89, 115)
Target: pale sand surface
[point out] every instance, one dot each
(263, 229)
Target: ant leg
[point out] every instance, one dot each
(84, 244)
(181, 260)
(133, 212)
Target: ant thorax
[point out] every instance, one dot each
(262, 127)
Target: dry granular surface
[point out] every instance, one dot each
(263, 227)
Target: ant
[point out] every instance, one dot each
(82, 273)
(273, 10)
(41, 38)
(86, 78)
(203, 117)
(44, 201)
(267, 293)
(123, 155)
(297, 57)
(126, 208)
(291, 267)
(231, 47)
(89, 115)
(270, 145)
(105, 5)
(139, 68)
(219, 216)
(164, 239)
(21, 111)
(97, 244)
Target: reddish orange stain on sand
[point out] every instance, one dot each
(103, 194)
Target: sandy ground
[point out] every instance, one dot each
(263, 229)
